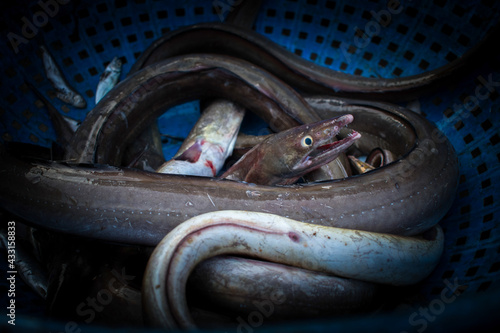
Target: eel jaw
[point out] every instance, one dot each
(328, 152)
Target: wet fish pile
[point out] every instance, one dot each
(290, 225)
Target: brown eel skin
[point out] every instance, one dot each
(129, 206)
(300, 73)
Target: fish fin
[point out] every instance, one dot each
(244, 166)
(192, 154)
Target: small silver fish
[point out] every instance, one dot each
(209, 143)
(63, 90)
(108, 79)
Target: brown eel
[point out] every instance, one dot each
(123, 205)
(300, 73)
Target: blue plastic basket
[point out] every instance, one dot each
(419, 36)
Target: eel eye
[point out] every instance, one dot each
(307, 141)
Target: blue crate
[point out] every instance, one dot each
(85, 35)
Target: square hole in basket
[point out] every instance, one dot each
(289, 15)
(485, 235)
(486, 183)
(448, 112)
(495, 139)
(448, 274)
(162, 14)
(91, 31)
(482, 168)
(411, 12)
(423, 64)
(101, 7)
(447, 30)
(348, 9)
(476, 111)
(376, 40)
(464, 225)
(461, 241)
(330, 4)
(429, 20)
(397, 71)
(468, 138)
(132, 38)
(108, 26)
(419, 38)
(409, 55)
(464, 40)
(475, 153)
(83, 54)
(342, 27)
(93, 71)
(488, 217)
(479, 253)
(486, 125)
(495, 267)
(392, 47)
(436, 47)
(78, 78)
(120, 3)
(458, 10)
(451, 57)
(307, 18)
(126, 21)
(472, 271)
(484, 286)
(99, 48)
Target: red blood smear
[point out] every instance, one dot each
(209, 164)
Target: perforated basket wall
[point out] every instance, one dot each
(421, 35)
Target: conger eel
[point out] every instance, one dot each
(405, 197)
(300, 73)
(366, 256)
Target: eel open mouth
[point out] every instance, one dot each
(326, 150)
